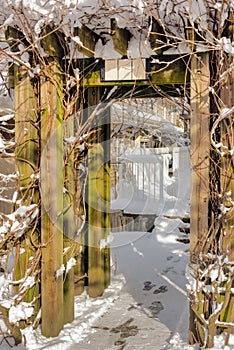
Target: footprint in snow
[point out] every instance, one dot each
(169, 257)
(165, 271)
(161, 289)
(148, 285)
(156, 307)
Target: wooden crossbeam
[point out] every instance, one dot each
(158, 38)
(15, 37)
(167, 70)
(88, 39)
(53, 42)
(120, 37)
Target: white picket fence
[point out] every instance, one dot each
(153, 181)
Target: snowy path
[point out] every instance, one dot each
(146, 306)
(152, 308)
(126, 326)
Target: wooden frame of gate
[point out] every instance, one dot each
(40, 103)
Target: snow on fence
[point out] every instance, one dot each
(153, 181)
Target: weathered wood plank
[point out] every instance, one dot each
(88, 40)
(52, 182)
(27, 150)
(169, 70)
(80, 212)
(200, 153)
(106, 193)
(69, 223)
(120, 37)
(98, 201)
(227, 179)
(157, 36)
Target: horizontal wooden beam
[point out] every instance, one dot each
(168, 70)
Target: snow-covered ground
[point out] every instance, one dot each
(147, 297)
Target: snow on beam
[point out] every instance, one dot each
(120, 37)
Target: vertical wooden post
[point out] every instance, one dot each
(81, 115)
(200, 153)
(80, 183)
(106, 193)
(98, 201)
(69, 225)
(52, 182)
(227, 180)
(26, 133)
(27, 149)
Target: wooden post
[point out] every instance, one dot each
(98, 200)
(81, 116)
(81, 248)
(200, 152)
(69, 224)
(27, 149)
(227, 182)
(52, 182)
(106, 193)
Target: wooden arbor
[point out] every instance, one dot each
(48, 96)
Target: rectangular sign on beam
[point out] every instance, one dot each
(124, 69)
